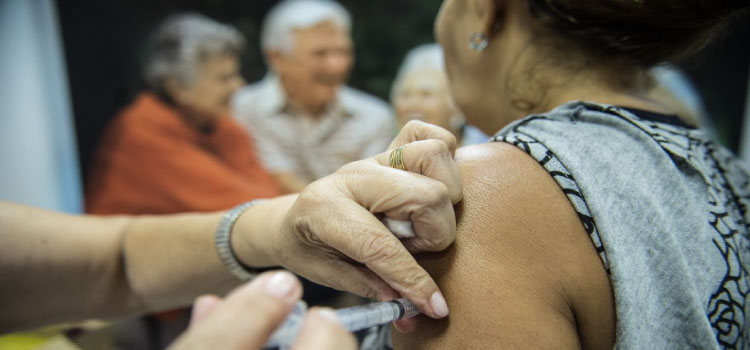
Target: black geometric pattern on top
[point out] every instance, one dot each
(729, 194)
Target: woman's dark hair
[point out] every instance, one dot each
(639, 32)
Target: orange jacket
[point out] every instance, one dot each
(151, 161)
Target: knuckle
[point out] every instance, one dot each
(436, 194)
(303, 224)
(414, 125)
(300, 222)
(436, 230)
(353, 167)
(436, 161)
(428, 244)
(427, 151)
(413, 283)
(350, 176)
(304, 228)
(310, 197)
(443, 241)
(437, 147)
(431, 244)
(415, 279)
(380, 248)
(430, 131)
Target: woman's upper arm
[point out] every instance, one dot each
(522, 272)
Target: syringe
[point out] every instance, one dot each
(352, 319)
(365, 316)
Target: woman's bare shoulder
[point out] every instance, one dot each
(522, 272)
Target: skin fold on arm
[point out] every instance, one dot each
(522, 273)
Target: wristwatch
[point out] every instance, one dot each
(224, 246)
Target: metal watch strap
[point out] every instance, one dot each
(223, 241)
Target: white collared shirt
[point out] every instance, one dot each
(355, 126)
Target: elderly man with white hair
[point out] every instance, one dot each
(306, 122)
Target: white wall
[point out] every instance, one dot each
(38, 156)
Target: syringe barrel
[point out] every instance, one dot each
(410, 310)
(353, 319)
(366, 316)
(287, 332)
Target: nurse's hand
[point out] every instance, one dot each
(249, 315)
(332, 233)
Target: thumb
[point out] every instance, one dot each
(202, 307)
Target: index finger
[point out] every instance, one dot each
(431, 158)
(368, 242)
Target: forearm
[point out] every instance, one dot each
(168, 261)
(58, 268)
(171, 260)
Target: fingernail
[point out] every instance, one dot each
(398, 327)
(281, 285)
(438, 304)
(201, 307)
(327, 314)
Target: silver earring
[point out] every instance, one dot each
(478, 41)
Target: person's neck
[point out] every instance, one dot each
(600, 93)
(197, 120)
(313, 111)
(574, 90)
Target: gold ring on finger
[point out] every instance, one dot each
(397, 158)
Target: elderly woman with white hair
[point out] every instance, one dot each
(174, 149)
(420, 92)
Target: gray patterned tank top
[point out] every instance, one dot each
(666, 209)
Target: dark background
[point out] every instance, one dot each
(103, 43)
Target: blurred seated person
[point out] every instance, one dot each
(174, 148)
(421, 92)
(307, 123)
